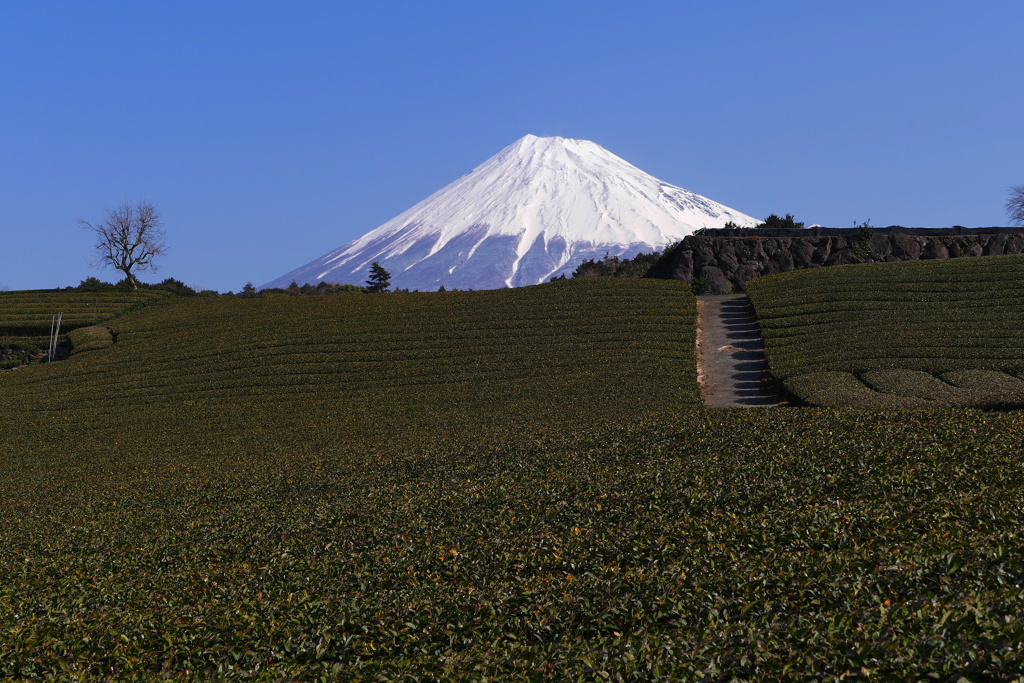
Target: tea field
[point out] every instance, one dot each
(507, 485)
(27, 316)
(911, 334)
(594, 349)
(27, 313)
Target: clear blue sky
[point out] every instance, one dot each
(272, 132)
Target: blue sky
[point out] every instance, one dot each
(270, 133)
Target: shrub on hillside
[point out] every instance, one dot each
(773, 222)
(16, 354)
(175, 286)
(700, 285)
(861, 244)
(93, 284)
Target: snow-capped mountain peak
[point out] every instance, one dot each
(533, 211)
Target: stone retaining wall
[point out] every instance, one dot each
(726, 264)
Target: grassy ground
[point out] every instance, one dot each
(912, 334)
(296, 489)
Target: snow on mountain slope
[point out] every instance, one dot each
(532, 212)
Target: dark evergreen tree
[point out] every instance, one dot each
(380, 279)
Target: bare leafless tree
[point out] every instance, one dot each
(1015, 204)
(129, 240)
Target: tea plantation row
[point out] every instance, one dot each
(26, 317)
(914, 334)
(28, 313)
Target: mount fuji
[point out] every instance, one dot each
(533, 211)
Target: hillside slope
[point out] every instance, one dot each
(582, 348)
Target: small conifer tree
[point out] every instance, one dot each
(380, 279)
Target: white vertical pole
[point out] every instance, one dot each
(60, 316)
(49, 351)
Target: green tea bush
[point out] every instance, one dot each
(992, 387)
(90, 338)
(918, 384)
(835, 389)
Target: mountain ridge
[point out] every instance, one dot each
(533, 211)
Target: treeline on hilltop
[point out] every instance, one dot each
(93, 284)
(379, 281)
(613, 266)
(608, 266)
(294, 289)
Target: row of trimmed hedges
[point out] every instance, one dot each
(763, 545)
(30, 313)
(829, 333)
(722, 264)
